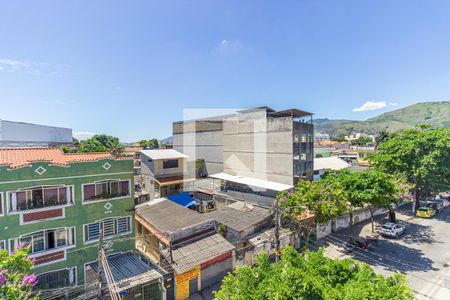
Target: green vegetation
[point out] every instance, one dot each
(436, 114)
(15, 280)
(311, 276)
(421, 155)
(362, 141)
(102, 143)
(152, 143)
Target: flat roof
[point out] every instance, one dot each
(167, 216)
(187, 257)
(332, 162)
(240, 219)
(293, 112)
(255, 182)
(163, 154)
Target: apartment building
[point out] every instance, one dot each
(55, 202)
(259, 143)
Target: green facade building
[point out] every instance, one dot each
(54, 203)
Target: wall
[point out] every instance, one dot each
(259, 147)
(201, 140)
(16, 134)
(76, 215)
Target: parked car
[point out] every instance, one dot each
(392, 229)
(443, 202)
(425, 212)
(436, 206)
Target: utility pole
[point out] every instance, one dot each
(277, 230)
(100, 271)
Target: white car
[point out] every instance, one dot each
(392, 229)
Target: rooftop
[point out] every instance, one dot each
(240, 219)
(202, 251)
(128, 270)
(19, 157)
(255, 182)
(163, 154)
(332, 162)
(167, 216)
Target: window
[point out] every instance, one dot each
(106, 189)
(111, 227)
(2, 245)
(1, 203)
(170, 163)
(39, 197)
(45, 240)
(57, 279)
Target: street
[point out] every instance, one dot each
(422, 253)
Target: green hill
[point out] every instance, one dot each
(434, 113)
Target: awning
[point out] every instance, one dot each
(183, 199)
(255, 182)
(173, 180)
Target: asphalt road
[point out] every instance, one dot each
(422, 253)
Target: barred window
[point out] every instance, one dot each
(111, 227)
(57, 279)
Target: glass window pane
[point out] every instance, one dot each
(101, 189)
(21, 200)
(125, 188)
(62, 195)
(115, 189)
(26, 241)
(50, 196)
(89, 191)
(38, 242)
(37, 198)
(60, 236)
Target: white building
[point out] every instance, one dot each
(18, 134)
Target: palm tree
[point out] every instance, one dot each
(116, 149)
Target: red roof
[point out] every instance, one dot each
(18, 157)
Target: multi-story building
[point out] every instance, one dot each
(19, 134)
(55, 203)
(259, 143)
(164, 172)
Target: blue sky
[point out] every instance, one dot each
(129, 68)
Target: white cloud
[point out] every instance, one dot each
(83, 135)
(371, 105)
(230, 45)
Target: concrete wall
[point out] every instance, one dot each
(260, 147)
(16, 134)
(201, 140)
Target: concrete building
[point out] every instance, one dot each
(319, 137)
(328, 163)
(164, 172)
(259, 143)
(18, 134)
(184, 243)
(55, 203)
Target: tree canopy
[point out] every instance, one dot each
(310, 276)
(152, 143)
(362, 141)
(102, 143)
(421, 154)
(16, 280)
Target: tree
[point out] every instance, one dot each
(339, 139)
(421, 154)
(316, 197)
(152, 143)
(381, 136)
(362, 141)
(311, 276)
(16, 280)
(102, 143)
(352, 187)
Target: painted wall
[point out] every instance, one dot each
(76, 215)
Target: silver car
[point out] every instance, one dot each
(392, 229)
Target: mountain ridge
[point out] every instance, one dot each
(435, 113)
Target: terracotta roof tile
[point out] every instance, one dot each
(19, 157)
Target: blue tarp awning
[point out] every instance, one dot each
(183, 199)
